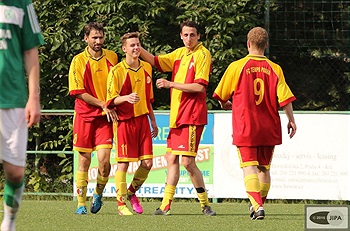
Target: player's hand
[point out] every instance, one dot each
(133, 98)
(32, 112)
(162, 83)
(292, 129)
(226, 105)
(154, 132)
(111, 114)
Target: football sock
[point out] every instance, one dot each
(264, 190)
(140, 176)
(202, 196)
(12, 196)
(12, 199)
(120, 184)
(81, 182)
(252, 185)
(169, 193)
(101, 184)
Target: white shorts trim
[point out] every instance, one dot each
(13, 136)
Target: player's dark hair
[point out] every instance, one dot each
(129, 35)
(189, 24)
(93, 25)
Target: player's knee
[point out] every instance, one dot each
(190, 165)
(147, 164)
(262, 168)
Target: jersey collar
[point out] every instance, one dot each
(87, 54)
(126, 65)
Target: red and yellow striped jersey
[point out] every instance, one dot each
(187, 67)
(89, 75)
(256, 85)
(123, 80)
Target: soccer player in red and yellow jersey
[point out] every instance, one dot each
(190, 66)
(257, 86)
(129, 88)
(92, 126)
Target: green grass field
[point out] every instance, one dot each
(39, 215)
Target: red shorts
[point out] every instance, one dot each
(92, 135)
(255, 156)
(184, 140)
(133, 140)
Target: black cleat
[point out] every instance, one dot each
(258, 214)
(206, 210)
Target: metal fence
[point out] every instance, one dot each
(310, 40)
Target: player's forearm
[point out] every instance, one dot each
(31, 60)
(119, 100)
(288, 110)
(91, 100)
(151, 114)
(148, 57)
(188, 87)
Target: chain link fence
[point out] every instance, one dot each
(310, 40)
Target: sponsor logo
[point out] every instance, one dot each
(191, 65)
(181, 146)
(81, 191)
(9, 14)
(149, 79)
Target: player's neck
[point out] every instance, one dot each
(134, 63)
(256, 52)
(95, 54)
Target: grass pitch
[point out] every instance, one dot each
(59, 215)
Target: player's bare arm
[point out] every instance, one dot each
(291, 126)
(32, 109)
(185, 87)
(148, 57)
(154, 126)
(110, 113)
(132, 98)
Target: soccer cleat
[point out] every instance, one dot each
(258, 214)
(251, 209)
(81, 210)
(135, 204)
(161, 212)
(96, 203)
(206, 210)
(124, 211)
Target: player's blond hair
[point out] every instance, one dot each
(129, 35)
(258, 37)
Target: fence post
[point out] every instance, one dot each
(267, 23)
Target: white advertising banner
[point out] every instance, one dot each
(314, 164)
